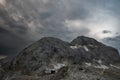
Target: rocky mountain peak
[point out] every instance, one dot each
(52, 56)
(82, 40)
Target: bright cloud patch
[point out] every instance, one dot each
(96, 24)
(3, 2)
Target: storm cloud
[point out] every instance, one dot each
(23, 22)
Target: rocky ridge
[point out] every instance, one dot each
(50, 58)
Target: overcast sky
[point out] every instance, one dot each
(23, 22)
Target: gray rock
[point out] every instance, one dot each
(53, 59)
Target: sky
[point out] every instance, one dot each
(22, 22)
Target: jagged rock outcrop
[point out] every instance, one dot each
(53, 59)
(97, 50)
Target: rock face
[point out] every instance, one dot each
(53, 59)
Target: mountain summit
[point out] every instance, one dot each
(50, 58)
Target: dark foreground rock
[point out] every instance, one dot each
(53, 59)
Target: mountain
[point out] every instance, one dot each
(50, 58)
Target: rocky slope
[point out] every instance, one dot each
(53, 59)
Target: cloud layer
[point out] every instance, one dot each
(22, 22)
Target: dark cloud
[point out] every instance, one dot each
(2, 30)
(10, 43)
(106, 32)
(45, 15)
